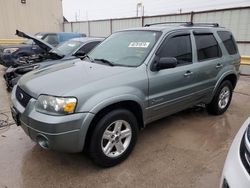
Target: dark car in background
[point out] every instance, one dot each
(10, 54)
(68, 50)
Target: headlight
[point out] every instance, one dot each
(10, 50)
(56, 105)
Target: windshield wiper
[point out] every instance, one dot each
(106, 61)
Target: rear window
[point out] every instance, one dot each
(207, 47)
(228, 41)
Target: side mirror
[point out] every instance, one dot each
(80, 54)
(166, 63)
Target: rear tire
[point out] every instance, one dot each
(113, 138)
(221, 99)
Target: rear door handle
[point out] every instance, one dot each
(188, 73)
(219, 66)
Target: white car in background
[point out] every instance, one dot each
(236, 172)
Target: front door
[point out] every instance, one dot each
(171, 90)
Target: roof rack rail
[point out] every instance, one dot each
(205, 24)
(162, 23)
(188, 24)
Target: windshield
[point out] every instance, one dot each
(126, 48)
(68, 47)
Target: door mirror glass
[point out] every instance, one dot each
(80, 54)
(166, 63)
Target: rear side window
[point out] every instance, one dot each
(228, 41)
(179, 47)
(207, 47)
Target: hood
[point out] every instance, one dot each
(42, 44)
(65, 77)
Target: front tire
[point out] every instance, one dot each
(222, 99)
(113, 138)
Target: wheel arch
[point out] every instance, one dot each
(131, 105)
(230, 76)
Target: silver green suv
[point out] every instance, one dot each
(132, 78)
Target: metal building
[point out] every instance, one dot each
(236, 19)
(30, 16)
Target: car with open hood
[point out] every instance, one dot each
(68, 50)
(34, 48)
(134, 77)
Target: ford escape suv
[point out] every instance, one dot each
(132, 78)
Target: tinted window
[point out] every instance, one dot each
(89, 46)
(228, 41)
(207, 47)
(178, 47)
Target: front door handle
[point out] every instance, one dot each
(219, 66)
(188, 73)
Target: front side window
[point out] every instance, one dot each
(178, 47)
(207, 47)
(126, 48)
(228, 41)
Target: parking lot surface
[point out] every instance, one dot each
(187, 149)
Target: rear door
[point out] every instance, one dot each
(171, 90)
(209, 61)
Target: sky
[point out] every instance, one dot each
(81, 10)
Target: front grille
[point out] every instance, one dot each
(22, 96)
(248, 133)
(244, 153)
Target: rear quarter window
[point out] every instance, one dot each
(228, 41)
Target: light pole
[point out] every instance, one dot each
(139, 6)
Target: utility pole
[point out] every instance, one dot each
(140, 7)
(76, 16)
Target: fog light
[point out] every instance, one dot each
(43, 142)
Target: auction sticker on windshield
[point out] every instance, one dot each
(139, 44)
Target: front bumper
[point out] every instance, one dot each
(62, 133)
(234, 171)
(7, 60)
